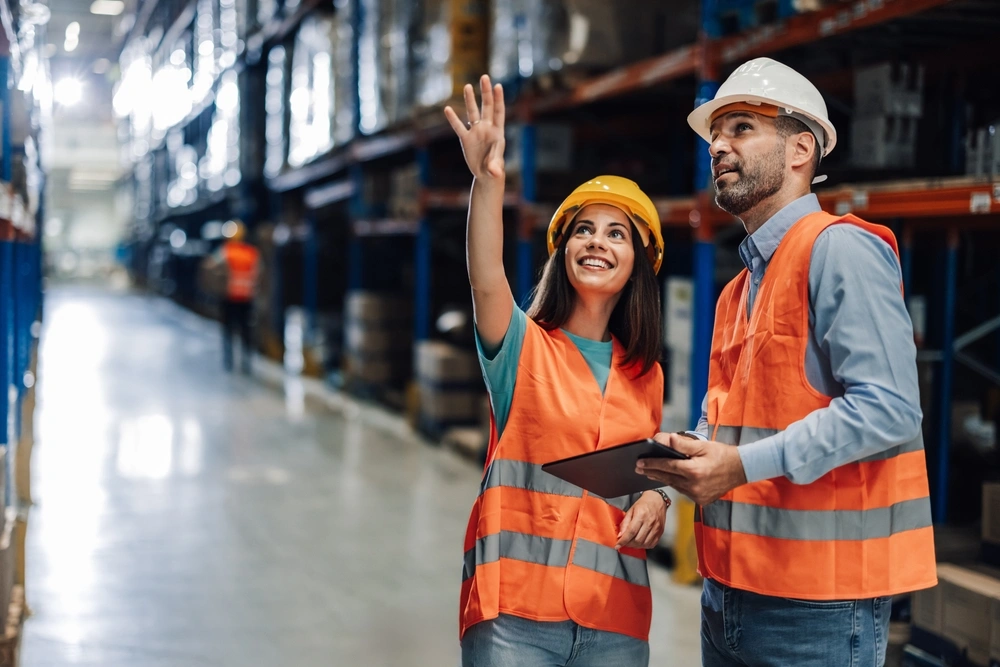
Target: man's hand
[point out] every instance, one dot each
(713, 470)
(642, 526)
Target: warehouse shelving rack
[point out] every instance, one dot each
(912, 207)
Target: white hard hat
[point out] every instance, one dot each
(766, 81)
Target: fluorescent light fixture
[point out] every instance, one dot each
(68, 92)
(107, 7)
(73, 29)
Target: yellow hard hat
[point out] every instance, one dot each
(620, 193)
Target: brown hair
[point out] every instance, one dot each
(635, 321)
(787, 126)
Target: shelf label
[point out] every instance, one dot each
(860, 199)
(979, 202)
(996, 192)
(843, 207)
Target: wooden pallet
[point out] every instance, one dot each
(10, 643)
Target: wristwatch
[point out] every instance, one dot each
(663, 494)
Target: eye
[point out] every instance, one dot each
(617, 234)
(742, 127)
(582, 229)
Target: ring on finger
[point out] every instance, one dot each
(470, 123)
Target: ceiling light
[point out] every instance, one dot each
(70, 44)
(68, 92)
(101, 66)
(73, 30)
(107, 7)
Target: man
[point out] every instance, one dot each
(241, 262)
(822, 513)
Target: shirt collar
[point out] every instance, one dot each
(762, 244)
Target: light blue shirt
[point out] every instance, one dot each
(861, 352)
(500, 365)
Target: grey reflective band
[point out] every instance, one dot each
(527, 476)
(531, 477)
(818, 525)
(554, 553)
(611, 562)
(517, 546)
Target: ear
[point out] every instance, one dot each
(803, 148)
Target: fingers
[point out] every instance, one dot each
(486, 90)
(454, 121)
(626, 532)
(499, 110)
(471, 108)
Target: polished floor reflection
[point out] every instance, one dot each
(188, 517)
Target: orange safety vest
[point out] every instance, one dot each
(541, 548)
(241, 264)
(863, 530)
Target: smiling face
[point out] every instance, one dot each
(599, 251)
(748, 160)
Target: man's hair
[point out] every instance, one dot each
(787, 126)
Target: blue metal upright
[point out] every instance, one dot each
(310, 274)
(529, 195)
(944, 388)
(704, 270)
(423, 276)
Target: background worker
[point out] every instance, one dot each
(241, 264)
(555, 575)
(821, 513)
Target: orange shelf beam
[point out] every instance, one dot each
(644, 74)
(810, 27)
(954, 197)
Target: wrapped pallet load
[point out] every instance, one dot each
(451, 386)
(378, 339)
(385, 62)
(535, 37)
(321, 99)
(451, 48)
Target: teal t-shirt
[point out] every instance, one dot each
(500, 365)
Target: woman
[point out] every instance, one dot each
(553, 574)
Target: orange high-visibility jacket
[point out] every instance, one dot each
(242, 260)
(541, 548)
(862, 530)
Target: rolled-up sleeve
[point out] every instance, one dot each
(861, 325)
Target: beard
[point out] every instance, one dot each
(759, 178)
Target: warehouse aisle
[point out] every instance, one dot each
(184, 517)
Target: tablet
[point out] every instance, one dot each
(611, 472)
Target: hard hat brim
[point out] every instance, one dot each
(700, 118)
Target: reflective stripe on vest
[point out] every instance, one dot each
(786, 524)
(554, 553)
(863, 529)
(531, 477)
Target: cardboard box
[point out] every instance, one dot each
(450, 405)
(371, 339)
(376, 307)
(925, 611)
(440, 363)
(969, 602)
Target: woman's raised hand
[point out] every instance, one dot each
(482, 137)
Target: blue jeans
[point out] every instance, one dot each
(511, 641)
(742, 629)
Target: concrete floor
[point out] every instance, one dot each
(185, 517)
